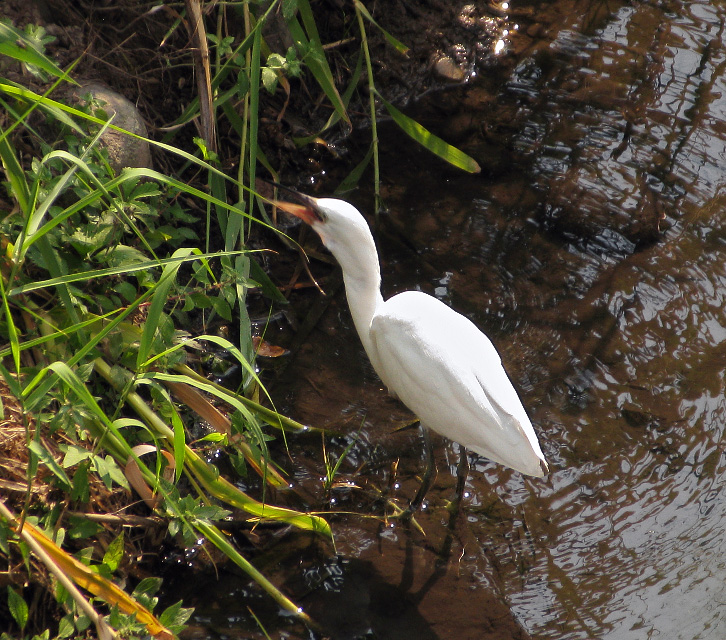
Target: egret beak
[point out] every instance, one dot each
(306, 212)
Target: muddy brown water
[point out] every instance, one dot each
(591, 250)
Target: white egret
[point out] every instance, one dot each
(436, 361)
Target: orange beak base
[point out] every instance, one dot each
(305, 212)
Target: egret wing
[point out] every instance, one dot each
(450, 375)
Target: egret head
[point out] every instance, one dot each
(341, 227)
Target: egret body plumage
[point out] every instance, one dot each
(438, 363)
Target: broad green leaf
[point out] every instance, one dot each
(18, 607)
(81, 489)
(74, 455)
(289, 9)
(66, 628)
(115, 552)
(175, 616)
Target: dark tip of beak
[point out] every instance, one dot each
(300, 197)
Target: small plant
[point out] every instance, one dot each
(331, 469)
(98, 284)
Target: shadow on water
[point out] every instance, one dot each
(592, 252)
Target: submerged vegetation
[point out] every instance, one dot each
(113, 285)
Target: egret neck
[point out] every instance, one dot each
(348, 237)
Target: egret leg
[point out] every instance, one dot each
(462, 473)
(428, 474)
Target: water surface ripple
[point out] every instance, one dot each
(623, 137)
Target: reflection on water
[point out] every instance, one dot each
(614, 300)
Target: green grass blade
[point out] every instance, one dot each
(14, 173)
(207, 475)
(11, 328)
(224, 490)
(372, 107)
(397, 44)
(433, 143)
(315, 59)
(57, 333)
(259, 275)
(56, 268)
(335, 117)
(214, 535)
(353, 178)
(180, 442)
(230, 65)
(28, 53)
(35, 98)
(228, 397)
(160, 296)
(124, 269)
(36, 390)
(272, 418)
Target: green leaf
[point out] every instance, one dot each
(4, 546)
(147, 587)
(74, 455)
(258, 274)
(180, 441)
(15, 174)
(160, 296)
(122, 255)
(83, 622)
(66, 627)
(315, 57)
(18, 607)
(216, 438)
(276, 61)
(222, 308)
(126, 290)
(49, 461)
(269, 79)
(81, 489)
(289, 9)
(110, 472)
(353, 178)
(433, 143)
(175, 616)
(115, 552)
